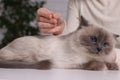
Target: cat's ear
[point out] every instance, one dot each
(116, 36)
(83, 23)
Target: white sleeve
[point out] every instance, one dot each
(72, 22)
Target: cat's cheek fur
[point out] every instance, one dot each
(111, 57)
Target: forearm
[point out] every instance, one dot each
(72, 22)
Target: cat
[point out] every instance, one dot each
(89, 48)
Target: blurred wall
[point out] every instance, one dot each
(57, 6)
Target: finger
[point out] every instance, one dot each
(44, 12)
(56, 30)
(56, 15)
(52, 21)
(43, 25)
(46, 31)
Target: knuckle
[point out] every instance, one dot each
(59, 30)
(45, 25)
(40, 18)
(40, 10)
(49, 26)
(40, 24)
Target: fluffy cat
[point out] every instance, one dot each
(90, 48)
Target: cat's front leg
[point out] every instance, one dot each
(9, 55)
(112, 66)
(6, 55)
(94, 65)
(43, 65)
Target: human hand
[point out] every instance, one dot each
(50, 22)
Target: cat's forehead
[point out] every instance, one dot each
(97, 31)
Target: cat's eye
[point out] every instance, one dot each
(105, 44)
(93, 39)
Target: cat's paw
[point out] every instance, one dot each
(95, 65)
(112, 66)
(44, 65)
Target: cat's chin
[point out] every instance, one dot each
(96, 54)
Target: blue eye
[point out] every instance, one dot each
(105, 44)
(93, 39)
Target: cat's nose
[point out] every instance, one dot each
(98, 49)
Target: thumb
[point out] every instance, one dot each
(57, 30)
(56, 15)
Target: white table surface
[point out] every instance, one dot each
(58, 74)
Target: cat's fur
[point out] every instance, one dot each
(72, 51)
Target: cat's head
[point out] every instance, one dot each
(96, 41)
